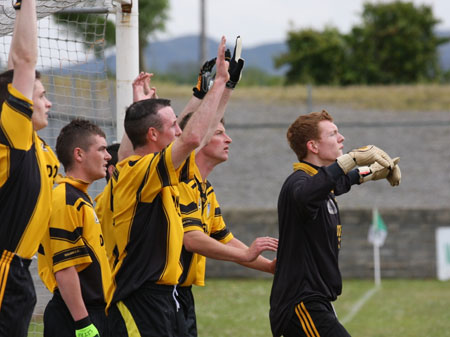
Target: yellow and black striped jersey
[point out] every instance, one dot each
(104, 208)
(28, 167)
(200, 211)
(148, 229)
(74, 239)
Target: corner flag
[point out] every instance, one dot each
(377, 232)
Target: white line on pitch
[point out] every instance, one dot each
(358, 305)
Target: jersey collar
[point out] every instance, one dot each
(306, 167)
(77, 183)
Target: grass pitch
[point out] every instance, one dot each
(407, 308)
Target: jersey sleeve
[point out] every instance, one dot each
(190, 207)
(219, 230)
(67, 246)
(16, 125)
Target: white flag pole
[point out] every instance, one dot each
(376, 252)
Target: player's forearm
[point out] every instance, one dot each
(70, 289)
(218, 116)
(200, 243)
(201, 120)
(261, 264)
(24, 44)
(23, 51)
(191, 106)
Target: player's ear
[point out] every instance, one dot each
(311, 145)
(152, 134)
(78, 154)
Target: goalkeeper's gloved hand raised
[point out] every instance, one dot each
(85, 328)
(377, 172)
(364, 156)
(204, 79)
(236, 64)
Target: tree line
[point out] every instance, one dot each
(395, 43)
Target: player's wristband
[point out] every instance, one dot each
(16, 4)
(85, 328)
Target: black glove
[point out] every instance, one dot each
(16, 4)
(204, 80)
(236, 64)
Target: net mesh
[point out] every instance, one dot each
(73, 67)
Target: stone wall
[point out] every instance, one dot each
(409, 250)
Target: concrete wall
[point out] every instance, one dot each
(409, 250)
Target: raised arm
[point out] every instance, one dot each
(141, 90)
(200, 122)
(23, 52)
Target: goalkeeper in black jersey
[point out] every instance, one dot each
(307, 277)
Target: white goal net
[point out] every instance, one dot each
(74, 72)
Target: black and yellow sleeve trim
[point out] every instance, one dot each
(217, 212)
(220, 235)
(306, 321)
(64, 235)
(188, 222)
(20, 106)
(188, 209)
(70, 254)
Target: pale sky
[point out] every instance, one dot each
(262, 21)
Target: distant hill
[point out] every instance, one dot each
(182, 53)
(161, 56)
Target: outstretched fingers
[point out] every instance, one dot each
(263, 244)
(221, 64)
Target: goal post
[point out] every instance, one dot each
(127, 58)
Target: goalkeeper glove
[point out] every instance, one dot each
(364, 156)
(85, 328)
(377, 172)
(204, 80)
(236, 64)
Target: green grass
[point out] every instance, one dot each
(407, 308)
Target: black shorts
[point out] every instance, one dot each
(186, 299)
(153, 311)
(17, 295)
(58, 321)
(314, 319)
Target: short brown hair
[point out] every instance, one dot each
(142, 115)
(6, 78)
(304, 129)
(75, 134)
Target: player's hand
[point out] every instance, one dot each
(395, 176)
(222, 64)
(377, 172)
(236, 64)
(364, 156)
(141, 87)
(205, 79)
(260, 245)
(85, 328)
